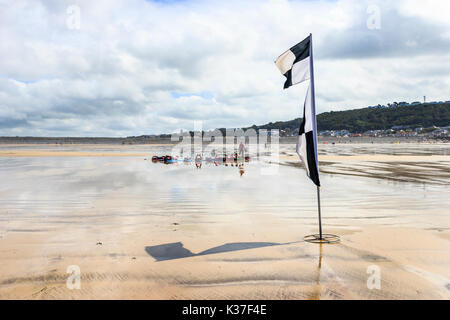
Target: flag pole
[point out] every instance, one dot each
(313, 101)
(320, 218)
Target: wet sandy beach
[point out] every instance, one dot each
(140, 230)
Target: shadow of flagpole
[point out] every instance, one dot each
(176, 250)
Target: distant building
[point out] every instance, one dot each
(379, 106)
(326, 133)
(342, 133)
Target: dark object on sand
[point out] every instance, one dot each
(157, 159)
(169, 159)
(165, 159)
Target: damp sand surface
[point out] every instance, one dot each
(140, 230)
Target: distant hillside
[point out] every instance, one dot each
(361, 120)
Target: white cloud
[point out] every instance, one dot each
(118, 73)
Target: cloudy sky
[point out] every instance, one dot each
(132, 67)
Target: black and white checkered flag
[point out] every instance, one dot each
(296, 65)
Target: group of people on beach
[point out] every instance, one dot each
(233, 161)
(236, 160)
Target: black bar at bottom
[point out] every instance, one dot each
(216, 309)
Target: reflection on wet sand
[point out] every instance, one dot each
(416, 172)
(316, 294)
(237, 160)
(141, 230)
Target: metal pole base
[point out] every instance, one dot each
(326, 238)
